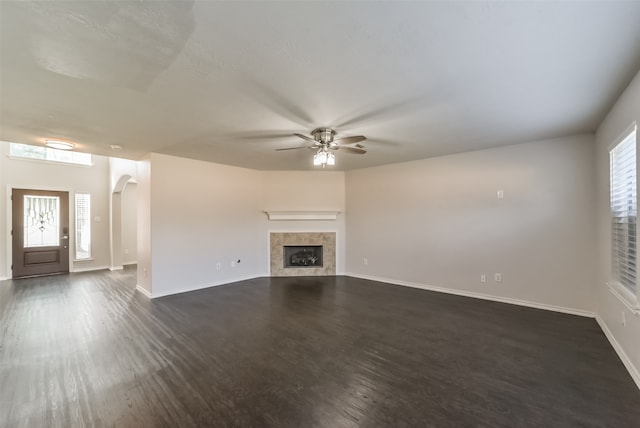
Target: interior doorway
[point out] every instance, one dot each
(124, 223)
(40, 232)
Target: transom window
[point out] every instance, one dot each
(26, 151)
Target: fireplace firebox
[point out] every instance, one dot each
(302, 256)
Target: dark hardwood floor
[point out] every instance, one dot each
(87, 350)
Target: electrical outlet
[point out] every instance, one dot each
(233, 263)
(126, 252)
(365, 261)
(498, 277)
(218, 266)
(500, 194)
(483, 278)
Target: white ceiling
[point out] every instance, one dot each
(229, 82)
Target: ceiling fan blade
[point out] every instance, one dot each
(387, 111)
(260, 135)
(353, 150)
(278, 102)
(304, 137)
(350, 140)
(312, 147)
(294, 148)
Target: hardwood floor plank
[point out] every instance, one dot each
(88, 350)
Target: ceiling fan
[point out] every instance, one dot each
(325, 144)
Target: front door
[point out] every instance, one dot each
(40, 232)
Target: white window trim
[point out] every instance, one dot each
(631, 301)
(625, 296)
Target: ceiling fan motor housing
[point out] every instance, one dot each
(323, 135)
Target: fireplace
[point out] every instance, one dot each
(302, 256)
(302, 253)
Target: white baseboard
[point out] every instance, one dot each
(475, 295)
(633, 370)
(143, 291)
(112, 268)
(89, 269)
(202, 286)
(4, 278)
(129, 263)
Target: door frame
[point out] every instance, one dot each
(9, 225)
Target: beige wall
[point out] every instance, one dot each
(303, 191)
(610, 309)
(202, 214)
(5, 206)
(56, 176)
(143, 224)
(438, 223)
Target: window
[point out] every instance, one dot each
(624, 210)
(48, 154)
(83, 226)
(41, 221)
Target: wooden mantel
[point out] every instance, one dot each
(302, 215)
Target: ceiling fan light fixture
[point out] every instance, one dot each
(324, 158)
(324, 145)
(331, 159)
(320, 158)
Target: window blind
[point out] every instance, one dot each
(624, 210)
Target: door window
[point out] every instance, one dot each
(41, 221)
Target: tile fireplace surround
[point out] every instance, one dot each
(278, 240)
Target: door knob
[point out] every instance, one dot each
(64, 237)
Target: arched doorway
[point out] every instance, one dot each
(123, 223)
